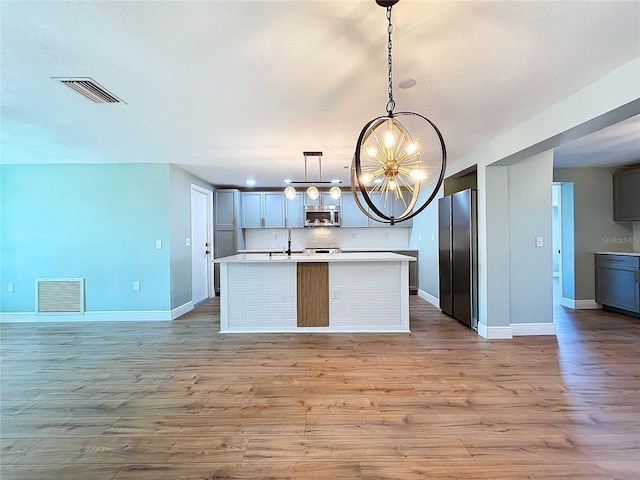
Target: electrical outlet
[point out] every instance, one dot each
(353, 235)
(136, 286)
(538, 241)
(10, 287)
(187, 242)
(419, 237)
(386, 236)
(433, 237)
(335, 294)
(158, 244)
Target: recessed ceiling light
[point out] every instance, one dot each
(408, 83)
(250, 182)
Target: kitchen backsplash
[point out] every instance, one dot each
(375, 238)
(636, 236)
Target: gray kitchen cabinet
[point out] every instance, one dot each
(226, 205)
(390, 206)
(413, 270)
(618, 282)
(263, 210)
(626, 196)
(323, 199)
(294, 211)
(227, 235)
(352, 216)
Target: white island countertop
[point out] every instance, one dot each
(317, 257)
(631, 254)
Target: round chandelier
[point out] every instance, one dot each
(400, 159)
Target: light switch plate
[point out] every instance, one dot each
(187, 242)
(158, 244)
(136, 286)
(10, 287)
(538, 241)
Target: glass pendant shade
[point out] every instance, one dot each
(335, 193)
(290, 193)
(313, 193)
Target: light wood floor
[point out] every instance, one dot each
(145, 400)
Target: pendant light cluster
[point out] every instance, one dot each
(312, 191)
(400, 158)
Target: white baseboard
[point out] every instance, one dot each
(522, 329)
(494, 333)
(580, 304)
(181, 310)
(99, 316)
(587, 305)
(429, 298)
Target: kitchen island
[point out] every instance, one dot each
(332, 292)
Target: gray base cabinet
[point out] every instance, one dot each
(618, 282)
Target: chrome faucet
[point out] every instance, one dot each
(289, 244)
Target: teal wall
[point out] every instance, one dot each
(99, 222)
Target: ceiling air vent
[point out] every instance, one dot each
(91, 89)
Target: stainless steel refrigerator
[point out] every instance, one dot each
(457, 235)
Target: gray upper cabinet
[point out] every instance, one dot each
(323, 199)
(626, 196)
(263, 210)
(351, 214)
(294, 210)
(226, 205)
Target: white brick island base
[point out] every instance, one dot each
(368, 292)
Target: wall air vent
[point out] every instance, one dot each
(55, 296)
(89, 88)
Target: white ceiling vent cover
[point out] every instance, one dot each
(91, 89)
(59, 296)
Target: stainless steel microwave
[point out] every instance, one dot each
(321, 216)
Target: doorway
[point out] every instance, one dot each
(556, 215)
(201, 244)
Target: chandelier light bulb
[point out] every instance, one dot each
(411, 148)
(366, 178)
(418, 174)
(313, 193)
(371, 151)
(388, 139)
(335, 193)
(392, 185)
(290, 192)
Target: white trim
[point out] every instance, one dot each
(521, 329)
(96, 316)
(580, 304)
(494, 333)
(587, 305)
(429, 298)
(304, 330)
(181, 310)
(568, 302)
(209, 228)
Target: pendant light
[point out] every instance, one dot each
(399, 157)
(312, 191)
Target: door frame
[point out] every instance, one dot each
(209, 230)
(558, 188)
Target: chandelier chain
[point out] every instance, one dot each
(391, 103)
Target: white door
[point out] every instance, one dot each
(201, 248)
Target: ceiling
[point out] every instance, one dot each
(236, 90)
